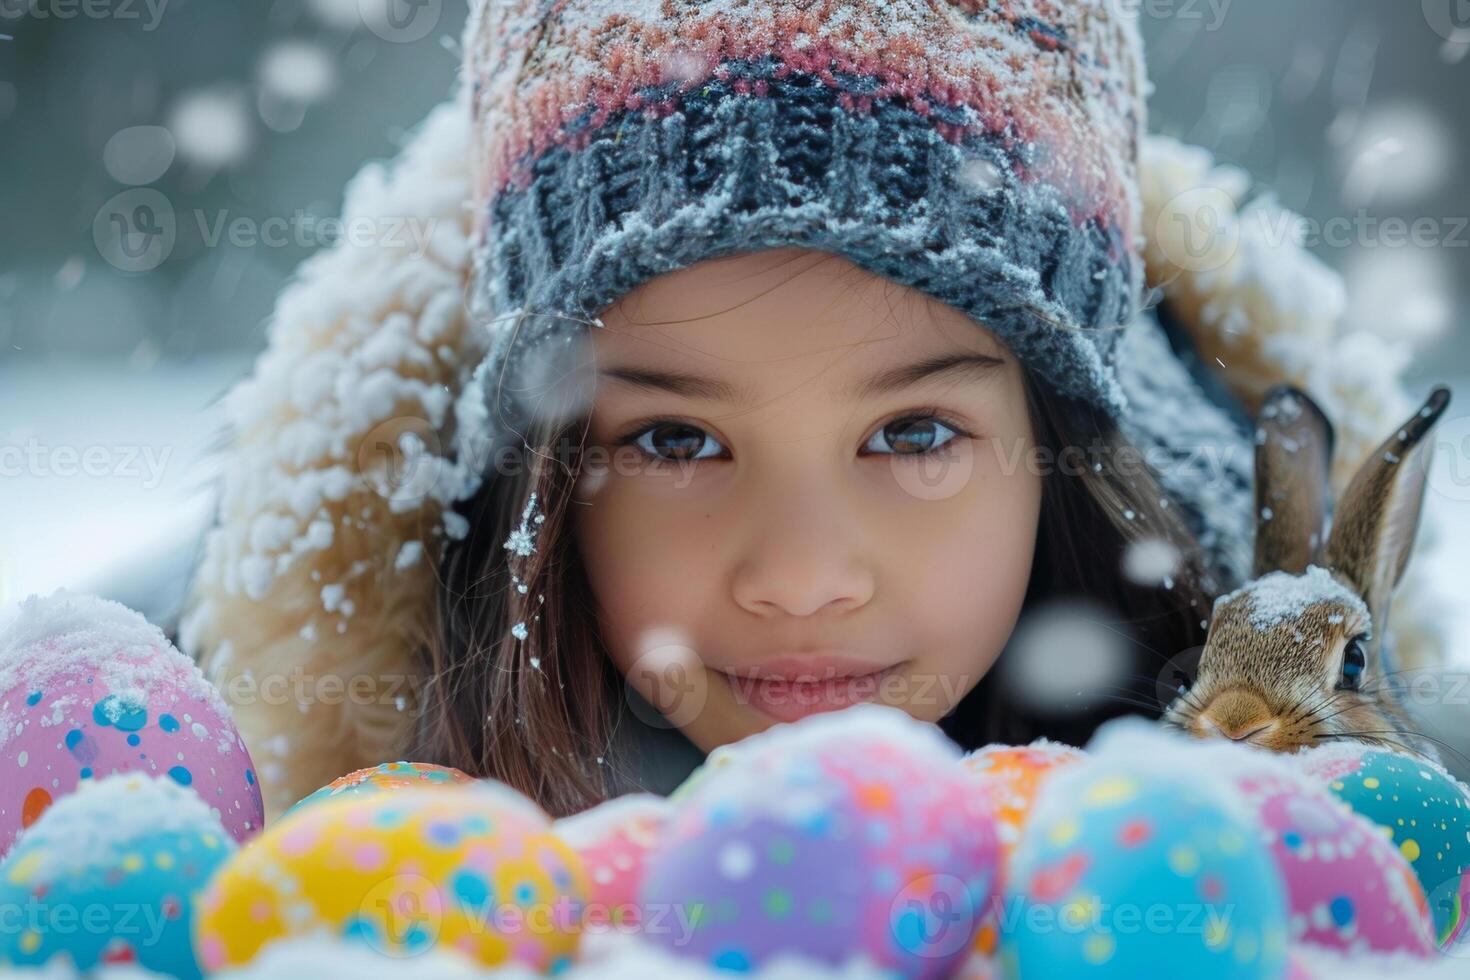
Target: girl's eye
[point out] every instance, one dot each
(677, 442)
(1354, 662)
(912, 436)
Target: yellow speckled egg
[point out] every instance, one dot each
(473, 868)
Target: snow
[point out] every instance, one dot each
(1151, 561)
(522, 541)
(597, 823)
(1066, 656)
(409, 555)
(86, 633)
(611, 956)
(89, 828)
(1282, 597)
(132, 523)
(211, 127)
(301, 71)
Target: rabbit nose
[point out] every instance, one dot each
(1236, 715)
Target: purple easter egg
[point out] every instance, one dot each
(89, 688)
(846, 835)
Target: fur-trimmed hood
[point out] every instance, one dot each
(316, 582)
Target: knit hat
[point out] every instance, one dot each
(983, 152)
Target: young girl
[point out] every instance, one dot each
(805, 357)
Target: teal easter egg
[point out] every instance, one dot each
(109, 874)
(1118, 874)
(1422, 809)
(386, 777)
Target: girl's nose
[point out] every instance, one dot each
(802, 556)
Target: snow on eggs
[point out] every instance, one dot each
(1011, 775)
(385, 777)
(1421, 809)
(89, 688)
(109, 875)
(846, 835)
(472, 868)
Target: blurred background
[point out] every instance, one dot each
(193, 114)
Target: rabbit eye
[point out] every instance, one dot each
(1354, 661)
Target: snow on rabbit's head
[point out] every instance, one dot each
(1295, 657)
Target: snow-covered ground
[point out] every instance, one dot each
(105, 475)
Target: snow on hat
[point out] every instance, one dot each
(985, 153)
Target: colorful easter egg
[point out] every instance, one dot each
(472, 868)
(1122, 870)
(1009, 777)
(720, 757)
(109, 874)
(849, 834)
(89, 688)
(1346, 885)
(1422, 809)
(388, 776)
(614, 840)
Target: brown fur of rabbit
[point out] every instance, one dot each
(1293, 659)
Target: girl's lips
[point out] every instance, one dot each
(788, 689)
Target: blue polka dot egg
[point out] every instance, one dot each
(1121, 871)
(109, 875)
(1422, 809)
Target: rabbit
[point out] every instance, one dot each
(1293, 658)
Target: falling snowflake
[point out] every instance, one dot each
(522, 540)
(300, 71)
(211, 127)
(1150, 561)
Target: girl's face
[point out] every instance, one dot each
(806, 486)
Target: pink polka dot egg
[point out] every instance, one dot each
(614, 840)
(1421, 809)
(89, 688)
(1346, 884)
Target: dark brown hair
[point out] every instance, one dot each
(537, 712)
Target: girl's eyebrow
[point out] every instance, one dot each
(960, 363)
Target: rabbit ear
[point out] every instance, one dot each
(1373, 532)
(1293, 463)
